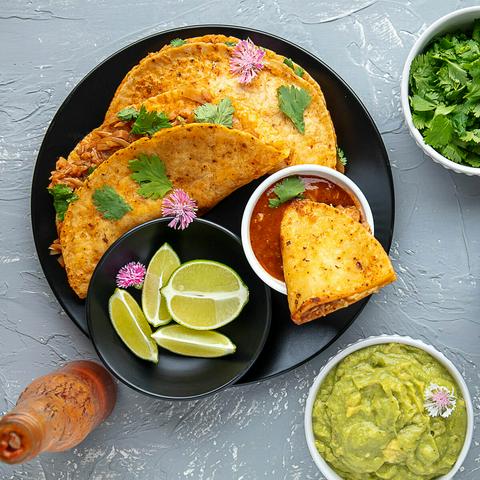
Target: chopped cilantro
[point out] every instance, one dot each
(445, 95)
(127, 114)
(109, 203)
(91, 169)
(292, 102)
(221, 114)
(177, 42)
(288, 188)
(231, 44)
(148, 123)
(149, 172)
(296, 68)
(62, 197)
(342, 158)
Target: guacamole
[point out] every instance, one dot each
(369, 419)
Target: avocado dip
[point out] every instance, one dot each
(370, 422)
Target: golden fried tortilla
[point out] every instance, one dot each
(217, 38)
(329, 260)
(207, 66)
(208, 161)
(114, 134)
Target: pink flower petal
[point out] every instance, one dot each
(181, 207)
(246, 60)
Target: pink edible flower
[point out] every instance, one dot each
(131, 275)
(246, 60)
(181, 207)
(439, 401)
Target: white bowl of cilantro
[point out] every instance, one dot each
(440, 91)
(264, 212)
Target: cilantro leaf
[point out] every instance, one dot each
(127, 114)
(342, 158)
(293, 102)
(62, 197)
(445, 95)
(109, 203)
(231, 44)
(91, 169)
(148, 123)
(221, 114)
(296, 68)
(177, 42)
(288, 188)
(150, 173)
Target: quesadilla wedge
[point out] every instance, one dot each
(207, 66)
(329, 259)
(208, 161)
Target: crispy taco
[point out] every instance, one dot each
(174, 107)
(330, 260)
(207, 161)
(207, 66)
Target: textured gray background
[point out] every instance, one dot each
(255, 431)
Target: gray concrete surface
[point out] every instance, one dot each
(256, 431)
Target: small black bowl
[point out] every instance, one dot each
(177, 377)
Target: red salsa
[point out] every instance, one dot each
(265, 222)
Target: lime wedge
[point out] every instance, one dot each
(203, 295)
(160, 268)
(193, 343)
(132, 327)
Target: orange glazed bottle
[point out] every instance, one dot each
(57, 411)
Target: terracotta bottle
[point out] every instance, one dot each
(57, 411)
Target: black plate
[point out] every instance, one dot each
(176, 377)
(288, 345)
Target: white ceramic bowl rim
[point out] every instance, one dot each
(305, 169)
(323, 466)
(440, 26)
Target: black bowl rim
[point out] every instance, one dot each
(218, 228)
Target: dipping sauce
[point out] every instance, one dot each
(265, 222)
(370, 421)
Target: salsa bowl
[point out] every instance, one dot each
(322, 465)
(315, 171)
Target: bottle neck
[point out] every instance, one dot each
(22, 437)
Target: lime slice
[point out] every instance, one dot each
(132, 327)
(160, 268)
(204, 295)
(193, 343)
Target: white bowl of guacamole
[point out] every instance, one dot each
(365, 417)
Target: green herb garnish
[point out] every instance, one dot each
(445, 95)
(62, 197)
(296, 68)
(177, 42)
(231, 44)
(342, 158)
(91, 169)
(288, 188)
(292, 102)
(109, 203)
(150, 173)
(127, 114)
(148, 123)
(221, 114)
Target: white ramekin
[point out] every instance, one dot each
(307, 169)
(457, 20)
(323, 466)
